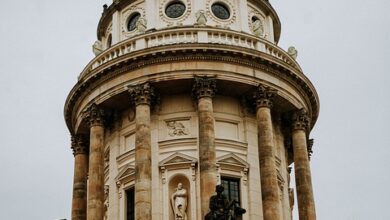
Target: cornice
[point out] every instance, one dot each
(171, 53)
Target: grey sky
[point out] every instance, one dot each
(343, 48)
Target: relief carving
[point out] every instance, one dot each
(200, 18)
(176, 128)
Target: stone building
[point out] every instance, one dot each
(184, 95)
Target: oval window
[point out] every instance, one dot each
(132, 24)
(220, 11)
(254, 18)
(175, 9)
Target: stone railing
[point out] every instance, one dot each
(188, 35)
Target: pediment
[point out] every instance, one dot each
(176, 159)
(232, 160)
(125, 172)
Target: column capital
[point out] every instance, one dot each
(142, 93)
(301, 120)
(204, 86)
(263, 96)
(78, 145)
(95, 115)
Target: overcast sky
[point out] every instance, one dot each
(343, 48)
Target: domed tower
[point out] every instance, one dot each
(184, 95)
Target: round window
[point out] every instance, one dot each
(132, 24)
(220, 11)
(254, 18)
(175, 9)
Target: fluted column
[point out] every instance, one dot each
(96, 164)
(305, 195)
(203, 90)
(268, 173)
(142, 96)
(79, 199)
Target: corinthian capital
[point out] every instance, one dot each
(301, 120)
(264, 96)
(142, 94)
(204, 87)
(95, 115)
(78, 145)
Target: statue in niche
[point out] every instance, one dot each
(179, 203)
(141, 25)
(292, 52)
(258, 28)
(176, 128)
(223, 209)
(200, 18)
(97, 47)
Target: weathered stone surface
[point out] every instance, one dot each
(142, 95)
(79, 200)
(304, 188)
(204, 89)
(96, 173)
(268, 172)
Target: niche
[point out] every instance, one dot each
(173, 186)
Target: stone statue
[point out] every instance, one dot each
(258, 28)
(200, 18)
(291, 198)
(97, 47)
(179, 203)
(221, 208)
(292, 52)
(141, 25)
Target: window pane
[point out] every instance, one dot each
(232, 188)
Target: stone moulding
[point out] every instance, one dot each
(246, 57)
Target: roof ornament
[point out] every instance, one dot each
(292, 52)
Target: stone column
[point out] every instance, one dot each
(142, 96)
(79, 200)
(303, 183)
(96, 164)
(268, 173)
(204, 89)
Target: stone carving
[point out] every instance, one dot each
(291, 198)
(301, 120)
(263, 96)
(141, 25)
(179, 203)
(142, 94)
(176, 129)
(95, 115)
(97, 47)
(292, 52)
(78, 145)
(258, 28)
(223, 209)
(200, 18)
(204, 87)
